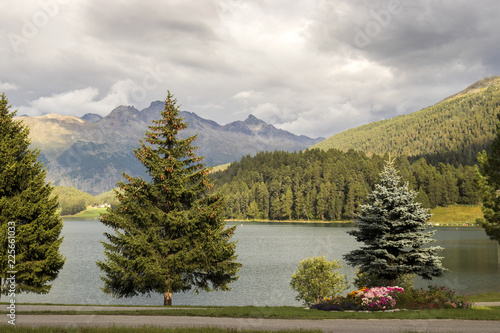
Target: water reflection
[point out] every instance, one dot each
(270, 253)
(472, 259)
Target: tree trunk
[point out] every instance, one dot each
(167, 298)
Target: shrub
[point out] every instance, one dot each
(379, 298)
(434, 298)
(374, 299)
(386, 298)
(317, 278)
(363, 279)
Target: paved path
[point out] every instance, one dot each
(487, 304)
(327, 325)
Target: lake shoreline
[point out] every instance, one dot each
(451, 216)
(336, 223)
(344, 223)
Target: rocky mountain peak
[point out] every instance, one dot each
(91, 155)
(252, 120)
(123, 111)
(91, 117)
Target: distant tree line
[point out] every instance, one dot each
(330, 185)
(72, 200)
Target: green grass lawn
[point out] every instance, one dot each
(288, 312)
(88, 213)
(8, 329)
(453, 215)
(456, 214)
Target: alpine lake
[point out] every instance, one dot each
(269, 253)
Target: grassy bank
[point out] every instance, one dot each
(287, 221)
(484, 297)
(287, 312)
(456, 214)
(139, 330)
(447, 216)
(89, 213)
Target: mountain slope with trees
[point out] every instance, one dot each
(330, 185)
(452, 131)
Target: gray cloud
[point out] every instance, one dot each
(311, 67)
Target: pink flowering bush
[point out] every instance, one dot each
(364, 299)
(388, 298)
(379, 298)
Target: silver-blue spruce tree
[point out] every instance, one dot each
(392, 226)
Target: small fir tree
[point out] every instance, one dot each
(29, 221)
(169, 233)
(488, 179)
(392, 227)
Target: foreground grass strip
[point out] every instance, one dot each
(482, 313)
(9, 329)
(102, 305)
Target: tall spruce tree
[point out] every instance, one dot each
(488, 179)
(29, 221)
(392, 227)
(170, 235)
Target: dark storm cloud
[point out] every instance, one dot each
(430, 48)
(311, 67)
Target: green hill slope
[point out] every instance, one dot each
(452, 131)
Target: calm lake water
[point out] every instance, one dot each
(270, 253)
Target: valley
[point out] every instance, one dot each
(325, 181)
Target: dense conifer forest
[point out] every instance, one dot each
(330, 185)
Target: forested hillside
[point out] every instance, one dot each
(452, 131)
(330, 185)
(72, 200)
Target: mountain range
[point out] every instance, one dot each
(91, 152)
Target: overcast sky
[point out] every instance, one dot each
(307, 66)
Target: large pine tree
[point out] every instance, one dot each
(488, 176)
(170, 235)
(392, 227)
(29, 221)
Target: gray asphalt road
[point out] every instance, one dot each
(329, 325)
(337, 325)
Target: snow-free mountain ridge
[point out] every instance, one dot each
(90, 152)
